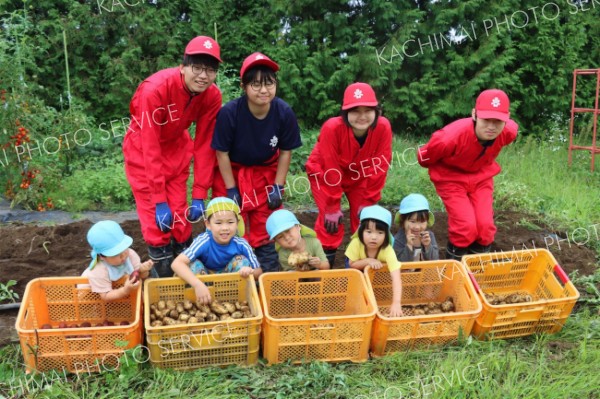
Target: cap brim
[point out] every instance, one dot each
(430, 222)
(117, 249)
(363, 104)
(204, 52)
(493, 115)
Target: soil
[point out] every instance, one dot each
(28, 251)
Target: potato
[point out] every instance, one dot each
(201, 315)
(225, 316)
(245, 308)
(229, 306)
(156, 323)
(153, 307)
(152, 317)
(193, 320)
(237, 315)
(188, 305)
(180, 308)
(238, 305)
(161, 305)
(86, 324)
(247, 314)
(46, 327)
(298, 259)
(212, 317)
(184, 317)
(174, 314)
(204, 308)
(167, 321)
(448, 305)
(171, 304)
(244, 303)
(218, 308)
(418, 312)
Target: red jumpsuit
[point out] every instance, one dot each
(463, 170)
(254, 183)
(338, 165)
(158, 150)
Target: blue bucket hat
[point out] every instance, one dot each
(107, 238)
(282, 220)
(414, 203)
(377, 212)
(225, 204)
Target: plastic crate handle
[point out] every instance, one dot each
(475, 284)
(561, 274)
(317, 327)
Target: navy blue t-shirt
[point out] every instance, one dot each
(252, 141)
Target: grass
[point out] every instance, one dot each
(542, 366)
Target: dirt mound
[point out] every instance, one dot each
(29, 251)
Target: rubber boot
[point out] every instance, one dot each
(477, 248)
(268, 258)
(179, 247)
(330, 254)
(454, 252)
(162, 257)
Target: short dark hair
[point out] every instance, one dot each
(422, 216)
(200, 59)
(266, 75)
(379, 225)
(378, 111)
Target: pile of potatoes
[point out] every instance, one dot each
(429, 308)
(168, 313)
(506, 299)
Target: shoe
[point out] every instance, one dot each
(330, 254)
(162, 257)
(477, 248)
(179, 247)
(454, 252)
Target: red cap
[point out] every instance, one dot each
(493, 104)
(256, 59)
(204, 45)
(358, 94)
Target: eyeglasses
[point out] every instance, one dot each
(257, 85)
(197, 70)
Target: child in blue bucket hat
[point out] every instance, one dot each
(297, 245)
(112, 260)
(372, 245)
(414, 242)
(220, 249)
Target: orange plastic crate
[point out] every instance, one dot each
(534, 272)
(431, 281)
(219, 343)
(53, 300)
(317, 315)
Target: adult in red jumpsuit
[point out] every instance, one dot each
(351, 157)
(254, 138)
(158, 149)
(461, 158)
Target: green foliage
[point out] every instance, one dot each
(6, 292)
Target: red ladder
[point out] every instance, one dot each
(593, 148)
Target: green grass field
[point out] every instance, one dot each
(535, 180)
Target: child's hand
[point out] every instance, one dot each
(202, 294)
(130, 286)
(425, 238)
(396, 310)
(374, 263)
(314, 262)
(146, 266)
(414, 240)
(245, 271)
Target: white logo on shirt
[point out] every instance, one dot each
(274, 141)
(358, 93)
(208, 44)
(496, 102)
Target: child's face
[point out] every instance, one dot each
(116, 260)
(361, 118)
(372, 237)
(412, 225)
(289, 239)
(223, 225)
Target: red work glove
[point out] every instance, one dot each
(332, 220)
